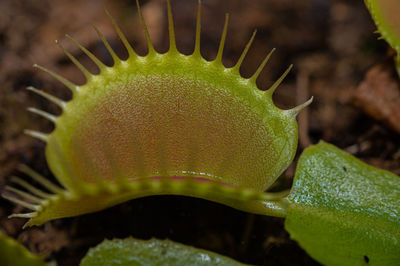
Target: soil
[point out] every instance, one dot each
(331, 44)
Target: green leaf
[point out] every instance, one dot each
(132, 251)
(343, 211)
(385, 13)
(13, 253)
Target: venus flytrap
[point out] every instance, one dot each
(178, 124)
(385, 13)
(162, 124)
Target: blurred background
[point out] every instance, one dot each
(337, 59)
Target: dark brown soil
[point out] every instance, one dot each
(331, 44)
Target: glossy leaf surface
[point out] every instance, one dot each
(130, 251)
(343, 211)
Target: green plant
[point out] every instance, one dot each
(132, 251)
(13, 253)
(343, 211)
(163, 124)
(176, 124)
(386, 16)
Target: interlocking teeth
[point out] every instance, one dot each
(75, 61)
(72, 86)
(146, 31)
(42, 113)
(30, 188)
(23, 215)
(294, 111)
(218, 58)
(33, 198)
(261, 67)
(36, 134)
(24, 194)
(127, 45)
(196, 51)
(27, 205)
(39, 200)
(278, 82)
(107, 45)
(172, 42)
(46, 95)
(244, 53)
(95, 60)
(40, 179)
